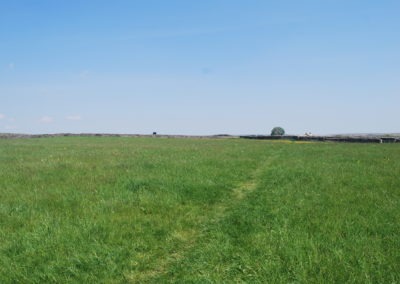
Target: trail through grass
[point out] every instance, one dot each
(217, 214)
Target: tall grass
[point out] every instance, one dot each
(76, 209)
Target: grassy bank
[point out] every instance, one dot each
(141, 209)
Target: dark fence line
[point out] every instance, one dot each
(28, 136)
(326, 138)
(351, 139)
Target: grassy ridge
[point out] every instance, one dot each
(132, 210)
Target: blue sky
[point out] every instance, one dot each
(199, 67)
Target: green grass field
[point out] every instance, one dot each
(94, 210)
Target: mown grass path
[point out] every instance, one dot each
(217, 214)
(117, 210)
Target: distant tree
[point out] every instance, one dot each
(277, 131)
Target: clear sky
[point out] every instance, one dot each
(199, 67)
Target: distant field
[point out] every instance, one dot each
(112, 209)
